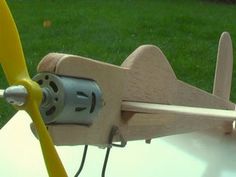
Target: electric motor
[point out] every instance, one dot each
(69, 100)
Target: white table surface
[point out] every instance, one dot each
(202, 154)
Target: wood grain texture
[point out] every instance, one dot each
(145, 76)
(151, 79)
(151, 108)
(224, 67)
(223, 72)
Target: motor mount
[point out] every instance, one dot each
(69, 100)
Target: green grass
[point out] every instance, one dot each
(186, 31)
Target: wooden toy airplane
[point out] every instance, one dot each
(142, 98)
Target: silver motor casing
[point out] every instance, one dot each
(69, 100)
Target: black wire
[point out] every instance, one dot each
(82, 162)
(105, 161)
(110, 144)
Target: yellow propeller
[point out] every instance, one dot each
(14, 66)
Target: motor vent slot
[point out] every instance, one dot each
(93, 103)
(53, 86)
(51, 111)
(81, 94)
(40, 82)
(79, 109)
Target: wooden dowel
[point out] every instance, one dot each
(151, 108)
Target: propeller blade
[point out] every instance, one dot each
(14, 66)
(11, 53)
(51, 158)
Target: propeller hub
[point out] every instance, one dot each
(16, 95)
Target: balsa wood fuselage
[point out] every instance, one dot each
(145, 76)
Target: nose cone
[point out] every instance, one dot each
(16, 95)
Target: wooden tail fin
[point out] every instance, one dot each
(224, 67)
(223, 73)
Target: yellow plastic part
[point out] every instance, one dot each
(13, 63)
